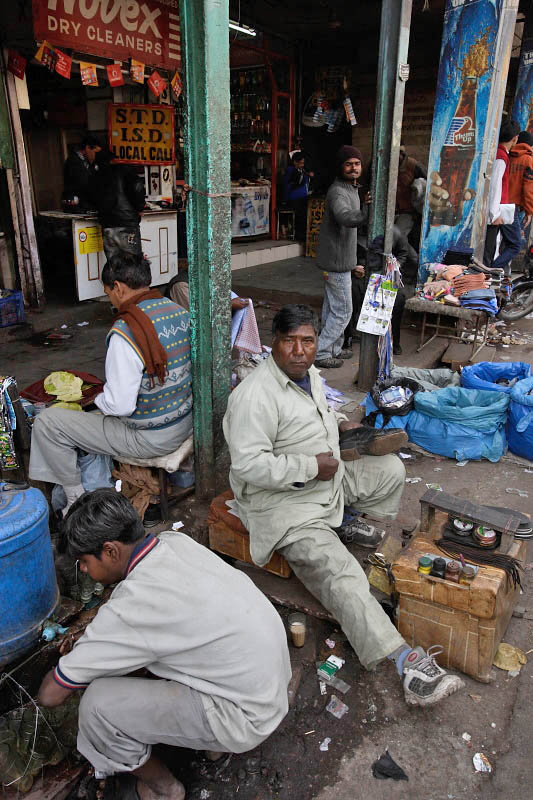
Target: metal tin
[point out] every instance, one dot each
(453, 571)
(424, 565)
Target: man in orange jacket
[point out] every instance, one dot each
(521, 175)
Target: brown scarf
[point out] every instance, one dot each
(144, 333)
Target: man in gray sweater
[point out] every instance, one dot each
(337, 255)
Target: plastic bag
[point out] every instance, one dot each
(486, 375)
(520, 420)
(465, 424)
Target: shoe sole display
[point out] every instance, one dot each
(382, 445)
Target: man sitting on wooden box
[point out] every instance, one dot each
(291, 486)
(146, 402)
(213, 647)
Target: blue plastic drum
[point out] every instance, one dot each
(28, 587)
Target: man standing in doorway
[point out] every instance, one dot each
(119, 197)
(498, 196)
(337, 255)
(78, 172)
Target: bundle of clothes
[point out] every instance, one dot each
(468, 286)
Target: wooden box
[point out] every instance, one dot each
(468, 621)
(228, 535)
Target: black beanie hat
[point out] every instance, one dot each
(346, 152)
(524, 137)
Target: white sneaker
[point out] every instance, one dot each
(425, 683)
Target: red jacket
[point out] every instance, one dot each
(502, 153)
(521, 176)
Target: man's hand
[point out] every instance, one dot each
(346, 425)
(238, 303)
(527, 220)
(359, 271)
(327, 466)
(51, 693)
(497, 221)
(367, 198)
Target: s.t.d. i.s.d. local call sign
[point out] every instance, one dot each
(141, 134)
(147, 30)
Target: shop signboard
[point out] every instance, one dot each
(141, 134)
(523, 99)
(460, 125)
(147, 30)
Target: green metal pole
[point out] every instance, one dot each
(204, 34)
(393, 71)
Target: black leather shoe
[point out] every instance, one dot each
(365, 441)
(397, 350)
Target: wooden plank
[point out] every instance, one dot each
(458, 354)
(503, 522)
(35, 287)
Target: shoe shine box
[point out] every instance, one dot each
(468, 621)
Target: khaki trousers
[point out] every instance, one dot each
(58, 434)
(121, 718)
(373, 485)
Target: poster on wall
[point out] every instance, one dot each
(462, 100)
(250, 211)
(147, 30)
(523, 99)
(141, 134)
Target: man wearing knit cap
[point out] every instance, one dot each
(337, 255)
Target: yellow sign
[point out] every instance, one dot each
(141, 134)
(90, 240)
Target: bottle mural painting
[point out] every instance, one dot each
(449, 189)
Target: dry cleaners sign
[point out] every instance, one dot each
(141, 134)
(147, 30)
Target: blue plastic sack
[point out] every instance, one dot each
(520, 420)
(466, 424)
(486, 375)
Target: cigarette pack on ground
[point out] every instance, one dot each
(329, 668)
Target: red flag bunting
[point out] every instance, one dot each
(156, 83)
(63, 64)
(16, 64)
(114, 75)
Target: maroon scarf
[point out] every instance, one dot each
(145, 335)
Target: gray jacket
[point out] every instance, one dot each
(337, 244)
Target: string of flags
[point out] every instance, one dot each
(56, 60)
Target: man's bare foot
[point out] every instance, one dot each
(156, 782)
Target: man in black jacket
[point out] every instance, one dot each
(118, 194)
(79, 170)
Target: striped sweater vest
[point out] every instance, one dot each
(161, 406)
